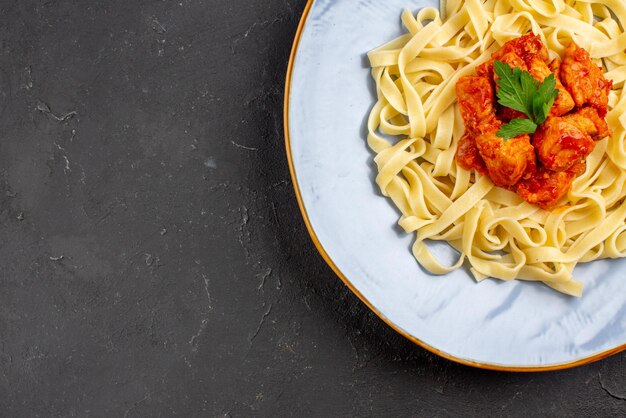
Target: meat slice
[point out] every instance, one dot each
(560, 143)
(476, 103)
(506, 160)
(517, 52)
(545, 188)
(526, 47)
(511, 58)
(584, 80)
(589, 121)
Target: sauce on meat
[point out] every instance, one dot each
(539, 167)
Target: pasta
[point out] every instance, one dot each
(414, 128)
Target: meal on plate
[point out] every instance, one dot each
(500, 127)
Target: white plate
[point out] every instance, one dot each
(494, 324)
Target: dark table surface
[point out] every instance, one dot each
(153, 259)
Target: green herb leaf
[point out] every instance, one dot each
(512, 91)
(517, 127)
(518, 90)
(530, 86)
(544, 99)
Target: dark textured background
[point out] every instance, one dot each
(153, 260)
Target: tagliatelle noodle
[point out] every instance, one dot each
(494, 230)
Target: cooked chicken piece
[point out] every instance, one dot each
(517, 53)
(476, 103)
(564, 141)
(589, 121)
(584, 80)
(506, 160)
(511, 58)
(560, 143)
(468, 156)
(563, 102)
(526, 47)
(545, 188)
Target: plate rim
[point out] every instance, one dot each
(327, 258)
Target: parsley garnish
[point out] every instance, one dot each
(516, 127)
(518, 90)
